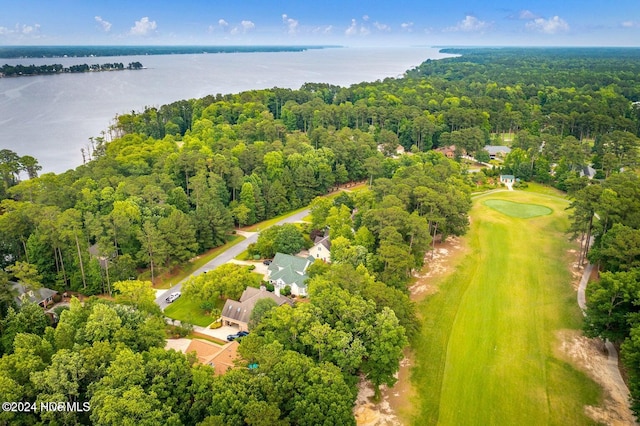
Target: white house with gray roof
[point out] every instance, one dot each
(321, 249)
(287, 270)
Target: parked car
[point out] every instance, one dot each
(239, 334)
(267, 262)
(172, 297)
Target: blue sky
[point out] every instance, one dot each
(347, 22)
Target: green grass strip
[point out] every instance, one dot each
(487, 352)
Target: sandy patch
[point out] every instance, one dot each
(436, 263)
(397, 400)
(369, 414)
(590, 356)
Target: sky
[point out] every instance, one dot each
(345, 22)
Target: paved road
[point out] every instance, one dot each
(226, 256)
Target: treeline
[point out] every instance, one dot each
(29, 70)
(608, 213)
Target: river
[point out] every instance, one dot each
(52, 117)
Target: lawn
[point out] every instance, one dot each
(487, 353)
(186, 310)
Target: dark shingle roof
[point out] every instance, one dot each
(23, 294)
(241, 310)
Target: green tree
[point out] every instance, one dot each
(137, 293)
(611, 302)
(260, 309)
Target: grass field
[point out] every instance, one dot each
(189, 311)
(487, 353)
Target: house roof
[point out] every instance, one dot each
(290, 269)
(34, 296)
(497, 149)
(445, 149)
(507, 177)
(588, 171)
(281, 260)
(208, 353)
(240, 311)
(324, 241)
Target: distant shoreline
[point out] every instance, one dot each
(20, 52)
(8, 71)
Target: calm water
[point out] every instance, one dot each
(53, 117)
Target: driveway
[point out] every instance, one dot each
(226, 256)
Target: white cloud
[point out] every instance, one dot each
(292, 24)
(328, 29)
(247, 25)
(30, 29)
(470, 24)
(21, 31)
(382, 27)
(243, 28)
(527, 15)
(106, 25)
(143, 27)
(223, 23)
(407, 26)
(365, 18)
(548, 26)
(630, 24)
(355, 29)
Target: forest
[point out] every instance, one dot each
(29, 70)
(170, 182)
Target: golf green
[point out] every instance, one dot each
(488, 352)
(519, 210)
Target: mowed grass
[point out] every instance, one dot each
(186, 310)
(487, 353)
(519, 210)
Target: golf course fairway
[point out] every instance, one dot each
(488, 352)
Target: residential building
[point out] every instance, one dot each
(42, 296)
(287, 270)
(238, 313)
(321, 249)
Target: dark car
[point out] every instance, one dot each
(239, 334)
(266, 262)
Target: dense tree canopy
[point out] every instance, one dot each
(171, 182)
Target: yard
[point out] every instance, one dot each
(488, 352)
(188, 311)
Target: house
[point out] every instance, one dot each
(42, 296)
(286, 270)
(321, 249)
(588, 171)
(507, 179)
(238, 313)
(497, 151)
(448, 151)
(221, 358)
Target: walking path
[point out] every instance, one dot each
(612, 359)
